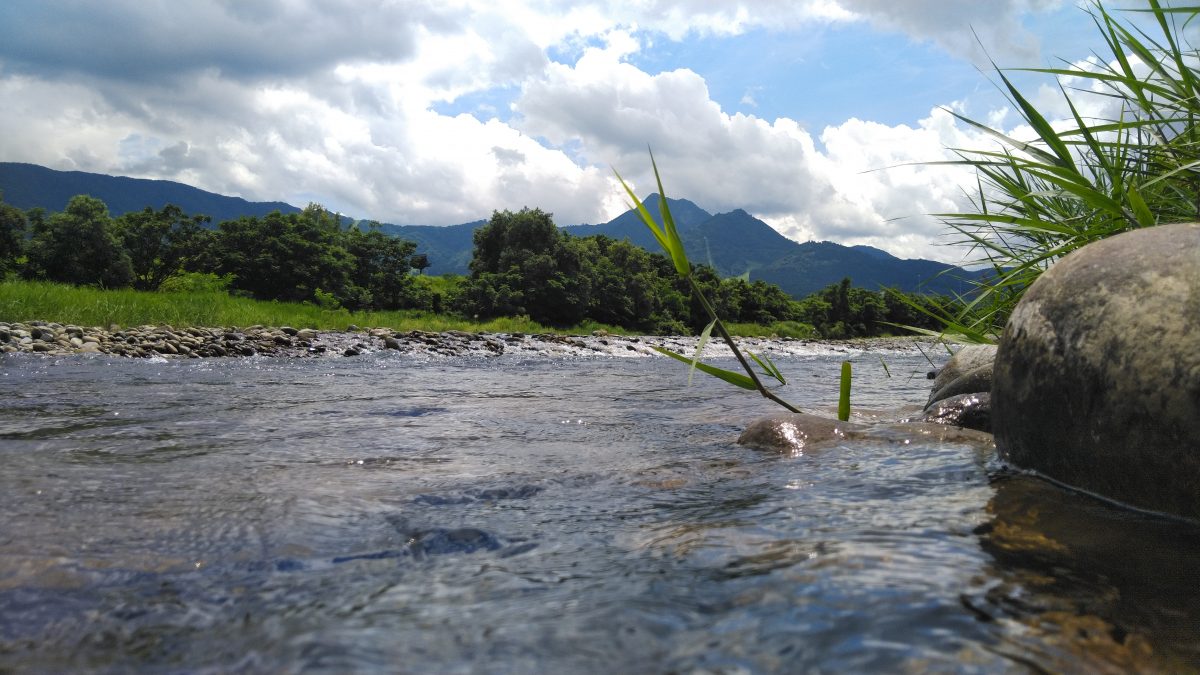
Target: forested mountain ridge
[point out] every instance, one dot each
(733, 243)
(28, 186)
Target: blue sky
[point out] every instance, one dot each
(440, 111)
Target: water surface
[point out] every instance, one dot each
(512, 515)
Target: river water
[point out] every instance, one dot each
(543, 515)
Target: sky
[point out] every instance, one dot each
(821, 117)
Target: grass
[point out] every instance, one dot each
(37, 300)
(668, 238)
(779, 329)
(82, 306)
(1069, 184)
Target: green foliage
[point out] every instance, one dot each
(161, 243)
(1041, 199)
(12, 237)
(668, 238)
(285, 257)
(28, 300)
(844, 393)
(195, 282)
(523, 264)
(380, 277)
(78, 246)
(840, 311)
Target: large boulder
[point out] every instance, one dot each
(1097, 376)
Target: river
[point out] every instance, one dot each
(518, 514)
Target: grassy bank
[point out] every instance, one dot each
(30, 300)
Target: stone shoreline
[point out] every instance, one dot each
(45, 338)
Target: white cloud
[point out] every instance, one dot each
(336, 101)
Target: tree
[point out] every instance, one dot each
(523, 264)
(420, 262)
(78, 246)
(12, 236)
(161, 243)
(285, 257)
(381, 272)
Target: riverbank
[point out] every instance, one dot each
(164, 341)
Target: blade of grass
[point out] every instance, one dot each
(736, 379)
(844, 393)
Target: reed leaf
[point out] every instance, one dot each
(844, 393)
(734, 378)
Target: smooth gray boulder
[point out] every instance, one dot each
(969, 371)
(961, 392)
(1097, 376)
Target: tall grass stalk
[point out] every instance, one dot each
(1088, 178)
(668, 238)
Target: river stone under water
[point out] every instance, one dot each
(513, 514)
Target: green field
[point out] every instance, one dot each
(22, 301)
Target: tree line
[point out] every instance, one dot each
(523, 264)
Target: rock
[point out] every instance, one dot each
(306, 334)
(390, 342)
(793, 433)
(973, 411)
(967, 372)
(1097, 378)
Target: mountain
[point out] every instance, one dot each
(813, 265)
(737, 243)
(449, 247)
(629, 225)
(27, 186)
(733, 243)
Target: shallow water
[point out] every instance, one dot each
(513, 515)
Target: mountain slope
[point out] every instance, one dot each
(449, 247)
(629, 225)
(734, 243)
(28, 186)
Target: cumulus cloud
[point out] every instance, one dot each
(337, 101)
(955, 26)
(863, 182)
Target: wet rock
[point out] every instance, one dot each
(439, 541)
(1097, 379)
(973, 411)
(794, 433)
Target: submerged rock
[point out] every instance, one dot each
(1097, 378)
(793, 433)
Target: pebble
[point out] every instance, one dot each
(53, 339)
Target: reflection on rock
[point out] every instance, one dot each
(794, 433)
(1094, 586)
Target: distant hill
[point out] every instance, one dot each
(736, 243)
(449, 247)
(733, 243)
(27, 186)
(629, 225)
